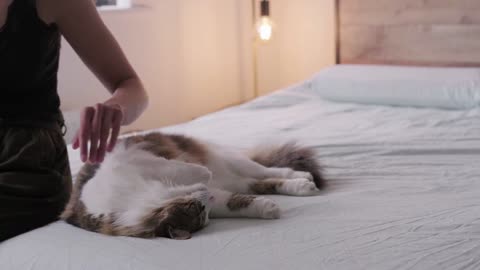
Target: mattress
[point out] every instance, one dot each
(404, 193)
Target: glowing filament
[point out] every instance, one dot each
(265, 28)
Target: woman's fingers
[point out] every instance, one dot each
(95, 133)
(116, 123)
(97, 125)
(84, 133)
(104, 133)
(76, 141)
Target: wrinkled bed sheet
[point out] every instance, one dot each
(404, 193)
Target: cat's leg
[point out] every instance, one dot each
(246, 167)
(227, 204)
(251, 177)
(178, 191)
(177, 172)
(292, 187)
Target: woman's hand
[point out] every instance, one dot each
(102, 54)
(98, 124)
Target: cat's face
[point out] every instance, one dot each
(184, 216)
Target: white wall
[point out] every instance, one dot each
(186, 52)
(195, 56)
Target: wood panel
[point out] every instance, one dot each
(410, 4)
(413, 32)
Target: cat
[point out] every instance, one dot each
(160, 185)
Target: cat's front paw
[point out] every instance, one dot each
(199, 187)
(300, 187)
(204, 196)
(267, 208)
(201, 174)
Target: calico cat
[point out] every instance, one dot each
(159, 185)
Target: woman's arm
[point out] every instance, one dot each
(81, 25)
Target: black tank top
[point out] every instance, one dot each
(29, 55)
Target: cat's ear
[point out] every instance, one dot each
(178, 234)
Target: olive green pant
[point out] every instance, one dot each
(35, 180)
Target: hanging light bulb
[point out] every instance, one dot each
(265, 28)
(264, 24)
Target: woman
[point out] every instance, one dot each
(35, 181)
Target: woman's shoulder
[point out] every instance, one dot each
(46, 10)
(32, 11)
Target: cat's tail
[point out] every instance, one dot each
(291, 155)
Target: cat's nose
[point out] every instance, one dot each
(211, 199)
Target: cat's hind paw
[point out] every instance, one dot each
(267, 208)
(300, 174)
(299, 187)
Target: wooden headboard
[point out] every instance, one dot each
(409, 32)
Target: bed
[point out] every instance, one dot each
(404, 193)
(401, 152)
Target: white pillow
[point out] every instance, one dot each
(448, 88)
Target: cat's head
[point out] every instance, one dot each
(183, 216)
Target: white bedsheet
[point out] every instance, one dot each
(404, 194)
